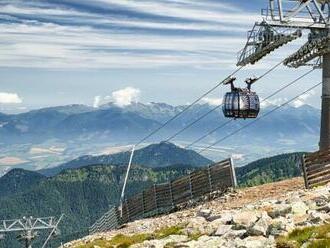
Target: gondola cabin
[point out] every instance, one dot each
(241, 102)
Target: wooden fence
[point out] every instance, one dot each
(316, 168)
(163, 198)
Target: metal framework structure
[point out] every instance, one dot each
(284, 21)
(28, 228)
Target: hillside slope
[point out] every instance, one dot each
(83, 194)
(153, 156)
(270, 169)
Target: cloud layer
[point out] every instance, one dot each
(9, 98)
(126, 96)
(121, 34)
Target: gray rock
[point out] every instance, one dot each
(325, 208)
(256, 242)
(223, 229)
(207, 241)
(317, 217)
(245, 219)
(299, 208)
(261, 227)
(232, 234)
(279, 210)
(206, 213)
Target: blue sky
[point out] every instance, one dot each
(60, 52)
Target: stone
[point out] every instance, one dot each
(299, 208)
(325, 208)
(245, 219)
(279, 210)
(320, 200)
(232, 234)
(206, 241)
(200, 225)
(223, 229)
(317, 217)
(300, 220)
(261, 227)
(155, 243)
(256, 242)
(279, 226)
(204, 213)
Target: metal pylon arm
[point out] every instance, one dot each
(262, 40)
(305, 14)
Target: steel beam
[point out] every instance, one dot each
(325, 113)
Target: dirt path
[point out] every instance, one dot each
(272, 190)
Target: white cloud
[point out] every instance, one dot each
(301, 100)
(272, 102)
(97, 101)
(9, 98)
(126, 96)
(237, 156)
(212, 101)
(29, 42)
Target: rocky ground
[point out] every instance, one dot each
(252, 217)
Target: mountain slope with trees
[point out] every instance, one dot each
(84, 194)
(153, 156)
(271, 169)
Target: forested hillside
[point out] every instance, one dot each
(83, 195)
(270, 169)
(156, 155)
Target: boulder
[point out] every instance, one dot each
(280, 226)
(279, 210)
(317, 217)
(223, 229)
(261, 227)
(325, 208)
(206, 213)
(245, 219)
(232, 234)
(256, 242)
(200, 225)
(299, 208)
(206, 241)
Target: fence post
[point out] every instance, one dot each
(127, 210)
(143, 207)
(171, 193)
(190, 186)
(303, 165)
(233, 173)
(210, 178)
(155, 193)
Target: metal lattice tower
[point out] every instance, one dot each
(28, 228)
(284, 21)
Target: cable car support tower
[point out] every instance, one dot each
(28, 227)
(285, 21)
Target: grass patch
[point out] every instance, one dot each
(124, 241)
(318, 236)
(167, 231)
(195, 235)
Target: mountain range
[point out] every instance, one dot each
(52, 136)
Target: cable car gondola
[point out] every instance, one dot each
(241, 102)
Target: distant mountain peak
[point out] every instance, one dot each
(162, 154)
